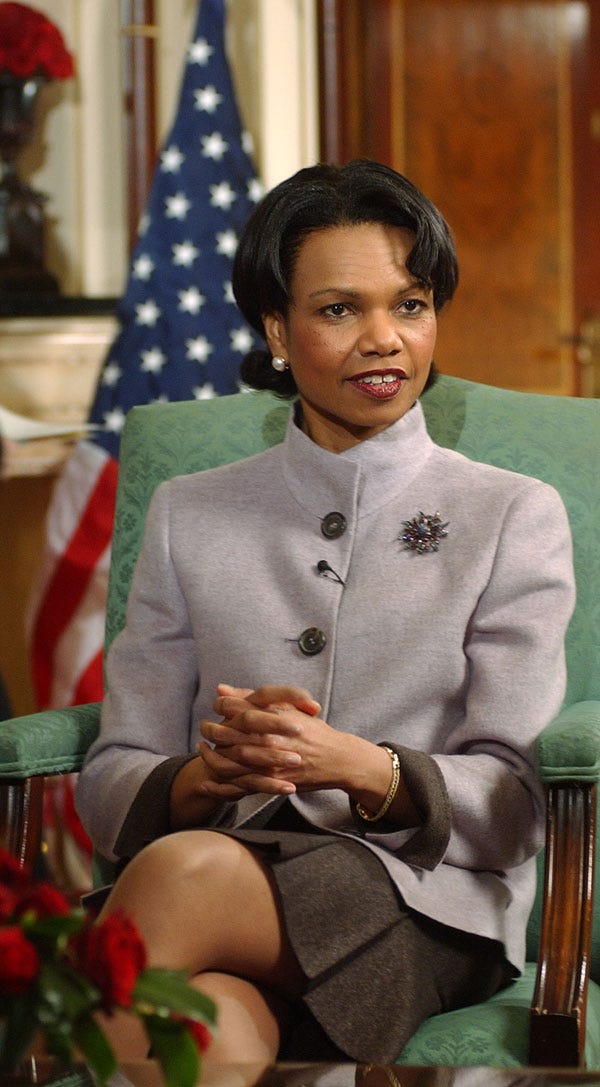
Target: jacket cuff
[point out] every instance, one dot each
(427, 789)
(149, 815)
(424, 782)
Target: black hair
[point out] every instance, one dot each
(316, 198)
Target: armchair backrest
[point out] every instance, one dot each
(556, 439)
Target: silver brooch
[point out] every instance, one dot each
(423, 533)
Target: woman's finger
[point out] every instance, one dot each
(240, 715)
(255, 756)
(285, 696)
(247, 786)
(225, 772)
(223, 734)
(239, 692)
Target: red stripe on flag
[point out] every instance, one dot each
(89, 684)
(71, 577)
(72, 823)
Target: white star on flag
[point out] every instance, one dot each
(241, 340)
(204, 392)
(111, 373)
(227, 243)
(207, 99)
(177, 206)
(184, 254)
(143, 267)
(114, 420)
(198, 349)
(214, 146)
(190, 300)
(187, 238)
(153, 360)
(222, 195)
(256, 190)
(147, 313)
(199, 52)
(172, 160)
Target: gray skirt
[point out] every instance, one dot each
(374, 968)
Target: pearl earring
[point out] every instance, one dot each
(278, 363)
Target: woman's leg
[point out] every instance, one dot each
(204, 903)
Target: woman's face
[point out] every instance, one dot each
(359, 334)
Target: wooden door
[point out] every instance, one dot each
(493, 108)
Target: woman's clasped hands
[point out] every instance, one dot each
(270, 740)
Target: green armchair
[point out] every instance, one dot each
(550, 1016)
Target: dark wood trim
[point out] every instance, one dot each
(21, 810)
(355, 39)
(330, 81)
(558, 1011)
(139, 33)
(585, 151)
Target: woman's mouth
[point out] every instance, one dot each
(379, 384)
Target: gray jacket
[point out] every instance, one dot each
(455, 653)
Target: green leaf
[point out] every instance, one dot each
(175, 1050)
(54, 926)
(65, 993)
(95, 1048)
(170, 991)
(59, 1041)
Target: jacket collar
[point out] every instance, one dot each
(361, 479)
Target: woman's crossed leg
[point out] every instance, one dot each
(205, 903)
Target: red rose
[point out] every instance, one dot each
(200, 1033)
(10, 869)
(112, 954)
(19, 961)
(8, 902)
(31, 45)
(44, 901)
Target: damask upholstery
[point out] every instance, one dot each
(555, 439)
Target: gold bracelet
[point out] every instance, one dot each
(371, 817)
(389, 1075)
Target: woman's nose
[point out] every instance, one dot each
(379, 335)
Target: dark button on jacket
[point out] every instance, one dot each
(333, 525)
(312, 641)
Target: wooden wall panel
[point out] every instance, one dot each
(484, 137)
(471, 99)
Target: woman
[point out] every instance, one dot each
(348, 846)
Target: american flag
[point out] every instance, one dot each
(180, 336)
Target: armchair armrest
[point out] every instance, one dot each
(31, 747)
(569, 748)
(49, 742)
(569, 755)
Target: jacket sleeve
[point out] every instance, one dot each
(151, 682)
(488, 795)
(514, 646)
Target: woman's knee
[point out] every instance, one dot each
(205, 900)
(178, 863)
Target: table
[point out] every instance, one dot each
(147, 1074)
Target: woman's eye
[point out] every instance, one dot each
(336, 309)
(413, 305)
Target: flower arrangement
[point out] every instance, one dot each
(31, 45)
(58, 968)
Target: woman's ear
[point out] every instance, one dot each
(274, 326)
